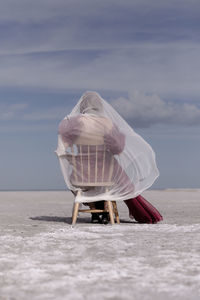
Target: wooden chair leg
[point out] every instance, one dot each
(110, 212)
(75, 213)
(116, 212)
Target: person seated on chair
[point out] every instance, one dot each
(89, 123)
(71, 129)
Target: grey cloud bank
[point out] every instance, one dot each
(140, 109)
(170, 70)
(143, 110)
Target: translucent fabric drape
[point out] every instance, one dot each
(101, 154)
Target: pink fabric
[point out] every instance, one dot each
(70, 129)
(143, 211)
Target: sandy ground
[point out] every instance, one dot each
(43, 257)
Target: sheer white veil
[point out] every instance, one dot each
(137, 164)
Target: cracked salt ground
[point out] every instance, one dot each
(126, 261)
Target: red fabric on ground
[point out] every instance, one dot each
(143, 211)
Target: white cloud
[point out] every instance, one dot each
(144, 110)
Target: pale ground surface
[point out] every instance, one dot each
(42, 257)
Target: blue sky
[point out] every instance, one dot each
(143, 56)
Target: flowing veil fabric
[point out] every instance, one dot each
(94, 119)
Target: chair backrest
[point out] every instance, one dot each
(92, 164)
